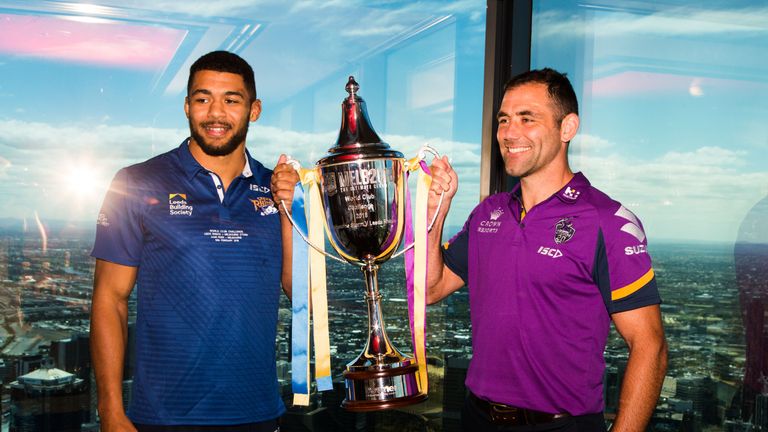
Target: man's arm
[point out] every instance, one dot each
(283, 184)
(441, 281)
(112, 284)
(642, 330)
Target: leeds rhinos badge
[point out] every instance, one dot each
(564, 230)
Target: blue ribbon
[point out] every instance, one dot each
(300, 305)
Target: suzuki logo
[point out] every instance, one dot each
(633, 227)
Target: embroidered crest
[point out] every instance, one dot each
(264, 206)
(564, 230)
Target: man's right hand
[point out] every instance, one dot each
(116, 423)
(444, 182)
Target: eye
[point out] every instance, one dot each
(232, 101)
(503, 120)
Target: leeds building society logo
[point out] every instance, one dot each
(264, 206)
(178, 205)
(564, 230)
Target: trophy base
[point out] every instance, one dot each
(376, 389)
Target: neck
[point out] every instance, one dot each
(227, 167)
(537, 188)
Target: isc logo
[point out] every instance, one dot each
(550, 252)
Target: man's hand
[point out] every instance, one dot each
(284, 179)
(119, 423)
(444, 181)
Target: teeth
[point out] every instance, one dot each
(517, 149)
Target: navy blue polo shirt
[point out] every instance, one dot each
(542, 288)
(209, 266)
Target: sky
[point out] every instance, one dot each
(673, 99)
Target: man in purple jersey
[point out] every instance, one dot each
(548, 266)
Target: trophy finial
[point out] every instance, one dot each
(352, 86)
(357, 139)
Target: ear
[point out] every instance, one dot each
(186, 106)
(255, 110)
(568, 127)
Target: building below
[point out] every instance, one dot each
(47, 400)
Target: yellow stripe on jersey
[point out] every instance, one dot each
(634, 286)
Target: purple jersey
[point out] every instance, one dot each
(541, 291)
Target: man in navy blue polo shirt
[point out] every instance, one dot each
(548, 266)
(196, 230)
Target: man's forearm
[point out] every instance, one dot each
(109, 328)
(286, 232)
(641, 386)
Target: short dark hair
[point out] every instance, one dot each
(224, 61)
(559, 88)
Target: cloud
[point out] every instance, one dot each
(671, 22)
(699, 194)
(702, 193)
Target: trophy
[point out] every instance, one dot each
(362, 185)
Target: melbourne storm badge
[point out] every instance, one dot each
(564, 230)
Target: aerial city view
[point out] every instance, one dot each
(46, 283)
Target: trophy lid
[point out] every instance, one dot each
(357, 139)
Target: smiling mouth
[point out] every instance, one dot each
(216, 129)
(517, 149)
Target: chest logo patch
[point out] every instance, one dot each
(492, 224)
(564, 230)
(178, 205)
(259, 188)
(264, 206)
(571, 193)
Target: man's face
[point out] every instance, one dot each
(219, 109)
(529, 132)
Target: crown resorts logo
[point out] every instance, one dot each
(492, 225)
(264, 206)
(178, 205)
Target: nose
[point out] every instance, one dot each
(216, 108)
(508, 132)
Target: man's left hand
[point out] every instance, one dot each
(284, 180)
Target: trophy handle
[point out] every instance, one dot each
(422, 154)
(297, 166)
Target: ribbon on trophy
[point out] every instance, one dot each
(309, 278)
(416, 263)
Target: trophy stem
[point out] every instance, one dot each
(380, 377)
(378, 345)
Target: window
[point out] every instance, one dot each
(89, 88)
(672, 105)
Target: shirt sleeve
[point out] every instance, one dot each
(623, 270)
(455, 253)
(119, 236)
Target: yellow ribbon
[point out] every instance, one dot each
(317, 280)
(423, 183)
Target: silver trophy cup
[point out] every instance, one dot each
(362, 185)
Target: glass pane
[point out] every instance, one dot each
(90, 87)
(673, 102)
